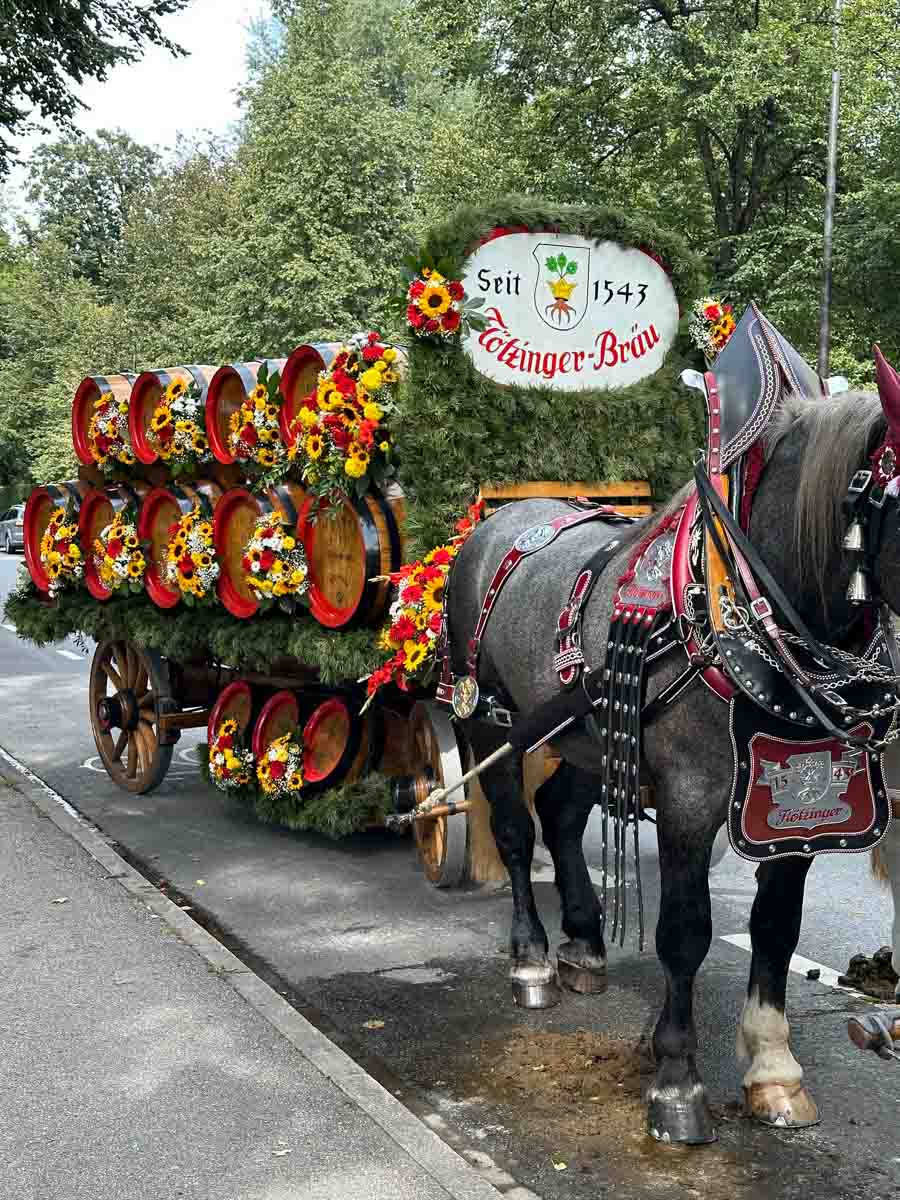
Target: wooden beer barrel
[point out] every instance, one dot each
(227, 391)
(38, 507)
(235, 701)
(147, 393)
(300, 377)
(235, 518)
(335, 744)
(278, 716)
(86, 395)
(162, 508)
(97, 510)
(344, 553)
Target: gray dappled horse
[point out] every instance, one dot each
(797, 528)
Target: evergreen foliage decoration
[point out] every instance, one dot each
(196, 634)
(457, 429)
(335, 812)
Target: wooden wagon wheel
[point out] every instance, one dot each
(435, 756)
(129, 691)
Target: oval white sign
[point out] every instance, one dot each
(567, 313)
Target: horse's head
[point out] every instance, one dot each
(800, 516)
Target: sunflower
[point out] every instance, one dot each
(135, 569)
(267, 436)
(176, 389)
(199, 443)
(414, 654)
(260, 392)
(131, 541)
(74, 552)
(434, 593)
(205, 529)
(295, 781)
(434, 300)
(229, 725)
(205, 559)
(272, 412)
(314, 446)
(161, 418)
(265, 458)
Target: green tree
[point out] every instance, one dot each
(45, 48)
(83, 190)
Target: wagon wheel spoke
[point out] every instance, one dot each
(112, 675)
(145, 752)
(121, 655)
(140, 680)
(121, 743)
(146, 700)
(131, 767)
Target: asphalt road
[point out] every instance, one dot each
(355, 934)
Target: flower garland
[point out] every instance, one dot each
(280, 768)
(119, 556)
(437, 310)
(231, 767)
(254, 436)
(712, 324)
(178, 428)
(415, 616)
(60, 553)
(191, 558)
(340, 433)
(108, 431)
(274, 564)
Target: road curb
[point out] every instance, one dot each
(477, 1179)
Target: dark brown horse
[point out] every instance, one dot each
(797, 528)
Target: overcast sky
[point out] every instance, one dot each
(159, 97)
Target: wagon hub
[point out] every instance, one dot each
(119, 711)
(408, 791)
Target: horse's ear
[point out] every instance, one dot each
(888, 390)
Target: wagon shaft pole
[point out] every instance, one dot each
(830, 191)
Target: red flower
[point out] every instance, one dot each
(373, 337)
(246, 565)
(340, 361)
(463, 525)
(712, 312)
(166, 433)
(372, 353)
(411, 594)
(63, 547)
(186, 566)
(225, 743)
(415, 317)
(267, 532)
(416, 288)
(341, 438)
(277, 770)
(451, 319)
(344, 384)
(432, 325)
(456, 290)
(441, 557)
(249, 435)
(366, 432)
(311, 402)
(173, 529)
(402, 629)
(225, 773)
(266, 559)
(429, 573)
(113, 548)
(434, 622)
(333, 421)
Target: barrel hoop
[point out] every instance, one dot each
(199, 378)
(372, 549)
(344, 763)
(393, 532)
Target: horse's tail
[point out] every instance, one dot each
(879, 869)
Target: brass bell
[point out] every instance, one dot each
(854, 539)
(858, 589)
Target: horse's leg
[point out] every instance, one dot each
(564, 803)
(677, 1108)
(532, 975)
(886, 867)
(773, 1089)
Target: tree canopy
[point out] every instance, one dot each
(47, 48)
(366, 123)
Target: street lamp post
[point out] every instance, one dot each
(830, 190)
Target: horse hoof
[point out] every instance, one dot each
(680, 1115)
(588, 981)
(782, 1105)
(534, 986)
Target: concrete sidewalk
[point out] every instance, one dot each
(141, 1060)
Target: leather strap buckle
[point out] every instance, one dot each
(761, 608)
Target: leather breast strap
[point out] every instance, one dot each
(569, 658)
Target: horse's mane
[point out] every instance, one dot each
(839, 434)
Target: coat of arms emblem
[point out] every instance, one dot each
(561, 287)
(809, 789)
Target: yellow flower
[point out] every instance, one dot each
(55, 557)
(297, 577)
(373, 411)
(280, 589)
(267, 436)
(123, 407)
(175, 389)
(355, 468)
(260, 392)
(131, 541)
(53, 571)
(288, 543)
(307, 418)
(135, 569)
(434, 593)
(161, 418)
(295, 781)
(384, 447)
(200, 443)
(265, 458)
(271, 412)
(314, 445)
(390, 376)
(74, 552)
(229, 725)
(260, 401)
(371, 379)
(435, 299)
(389, 354)
(205, 529)
(277, 567)
(414, 655)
